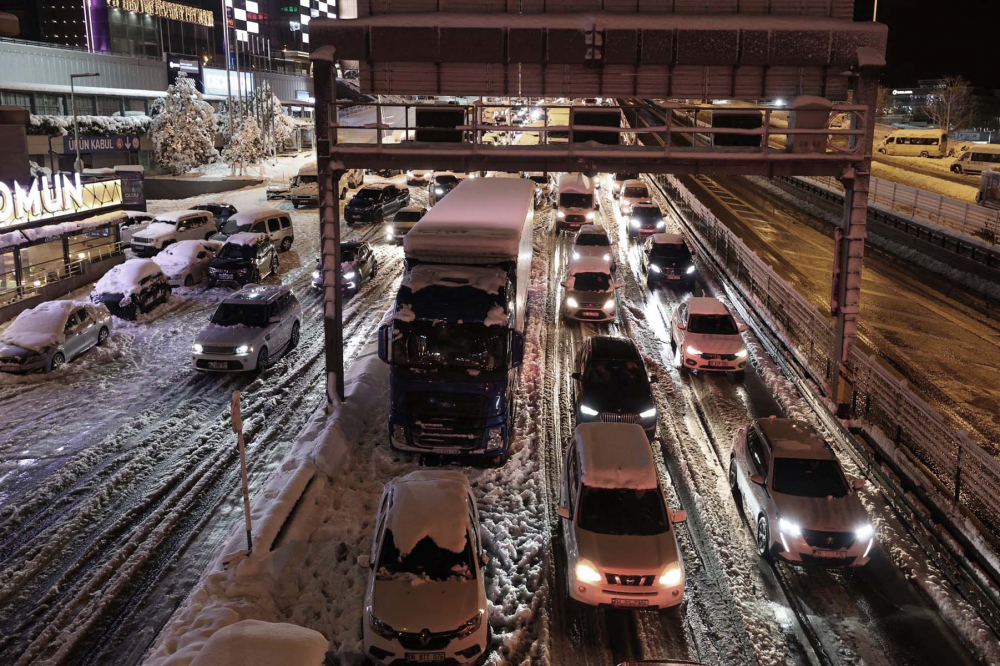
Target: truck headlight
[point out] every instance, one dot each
(570, 301)
(609, 304)
(587, 572)
(671, 576)
(495, 439)
(243, 350)
(197, 349)
(588, 411)
(648, 414)
(789, 527)
(635, 224)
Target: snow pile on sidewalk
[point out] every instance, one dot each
(255, 643)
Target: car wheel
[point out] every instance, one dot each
(374, 271)
(293, 341)
(102, 336)
(57, 360)
(673, 343)
(262, 360)
(286, 244)
(763, 538)
(924, 153)
(957, 169)
(733, 485)
(189, 280)
(881, 151)
(295, 205)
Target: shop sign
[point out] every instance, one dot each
(64, 195)
(116, 143)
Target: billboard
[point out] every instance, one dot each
(116, 143)
(214, 81)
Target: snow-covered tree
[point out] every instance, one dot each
(952, 106)
(246, 145)
(184, 133)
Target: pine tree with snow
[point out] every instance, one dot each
(246, 145)
(184, 133)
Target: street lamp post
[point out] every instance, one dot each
(78, 165)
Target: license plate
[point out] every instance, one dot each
(629, 603)
(9, 368)
(590, 314)
(717, 364)
(673, 276)
(424, 657)
(833, 554)
(225, 276)
(447, 452)
(218, 365)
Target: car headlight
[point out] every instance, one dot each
(588, 411)
(587, 572)
(635, 224)
(316, 275)
(471, 626)
(576, 255)
(690, 269)
(349, 275)
(661, 224)
(648, 414)
(607, 256)
(591, 215)
(671, 576)
(390, 232)
(380, 627)
(609, 304)
(438, 190)
(789, 527)
(495, 439)
(741, 353)
(243, 350)
(864, 532)
(694, 352)
(197, 349)
(654, 268)
(560, 214)
(570, 301)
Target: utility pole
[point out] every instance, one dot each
(229, 81)
(78, 165)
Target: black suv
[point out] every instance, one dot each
(220, 211)
(357, 264)
(646, 219)
(245, 258)
(667, 258)
(611, 385)
(373, 203)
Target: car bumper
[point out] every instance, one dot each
(588, 314)
(276, 196)
(144, 251)
(304, 201)
(224, 362)
(625, 596)
(796, 551)
(234, 280)
(475, 445)
(665, 277)
(693, 362)
(34, 364)
(458, 650)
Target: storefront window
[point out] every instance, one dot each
(8, 278)
(43, 263)
(22, 100)
(108, 106)
(84, 105)
(135, 104)
(49, 105)
(93, 245)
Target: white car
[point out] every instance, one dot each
(633, 192)
(802, 506)
(419, 176)
(621, 547)
(426, 594)
(169, 228)
(250, 328)
(404, 220)
(708, 337)
(590, 292)
(185, 263)
(134, 222)
(593, 241)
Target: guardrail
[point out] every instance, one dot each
(965, 475)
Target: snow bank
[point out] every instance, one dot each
(125, 278)
(427, 503)
(40, 327)
(256, 643)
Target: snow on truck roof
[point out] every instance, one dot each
(481, 217)
(41, 326)
(615, 455)
(706, 305)
(429, 503)
(124, 278)
(575, 182)
(421, 276)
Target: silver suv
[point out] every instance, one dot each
(249, 329)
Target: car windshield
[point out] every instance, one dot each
(234, 251)
(576, 200)
(446, 179)
(368, 194)
(594, 240)
(622, 511)
(348, 253)
(808, 478)
(465, 346)
(231, 227)
(408, 216)
(615, 370)
(636, 192)
(670, 251)
(592, 282)
(427, 560)
(712, 324)
(241, 314)
(646, 213)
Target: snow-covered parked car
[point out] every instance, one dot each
(132, 288)
(426, 594)
(169, 228)
(801, 505)
(708, 337)
(135, 221)
(250, 328)
(593, 241)
(621, 546)
(186, 262)
(49, 334)
(590, 291)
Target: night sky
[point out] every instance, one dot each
(932, 38)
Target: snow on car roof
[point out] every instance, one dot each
(615, 455)
(41, 326)
(177, 256)
(245, 218)
(668, 239)
(589, 264)
(791, 438)
(429, 503)
(177, 215)
(592, 229)
(481, 217)
(421, 276)
(125, 278)
(706, 305)
(575, 182)
(245, 238)
(257, 293)
(635, 182)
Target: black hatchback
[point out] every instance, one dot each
(610, 384)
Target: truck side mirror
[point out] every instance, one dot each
(383, 342)
(516, 348)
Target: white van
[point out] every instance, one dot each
(977, 159)
(576, 203)
(275, 223)
(915, 143)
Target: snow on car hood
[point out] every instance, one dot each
(834, 514)
(178, 257)
(213, 334)
(433, 605)
(715, 344)
(41, 327)
(628, 554)
(156, 230)
(124, 278)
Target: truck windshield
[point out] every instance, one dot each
(576, 200)
(305, 180)
(238, 314)
(450, 346)
(624, 511)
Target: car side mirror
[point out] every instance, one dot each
(516, 348)
(758, 479)
(742, 328)
(679, 517)
(576, 375)
(383, 343)
(858, 484)
(365, 561)
(681, 325)
(274, 320)
(563, 512)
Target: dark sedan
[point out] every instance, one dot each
(611, 384)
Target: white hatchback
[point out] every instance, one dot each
(593, 241)
(708, 337)
(633, 192)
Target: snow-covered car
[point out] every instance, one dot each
(169, 228)
(646, 219)
(358, 264)
(576, 203)
(275, 223)
(802, 506)
(51, 333)
(403, 221)
(708, 337)
(634, 191)
(593, 241)
(590, 292)
(621, 546)
(419, 176)
(186, 263)
(132, 288)
(667, 258)
(610, 384)
(250, 328)
(426, 595)
(220, 212)
(616, 181)
(245, 258)
(134, 222)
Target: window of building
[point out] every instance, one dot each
(22, 100)
(84, 105)
(93, 245)
(109, 106)
(135, 104)
(49, 105)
